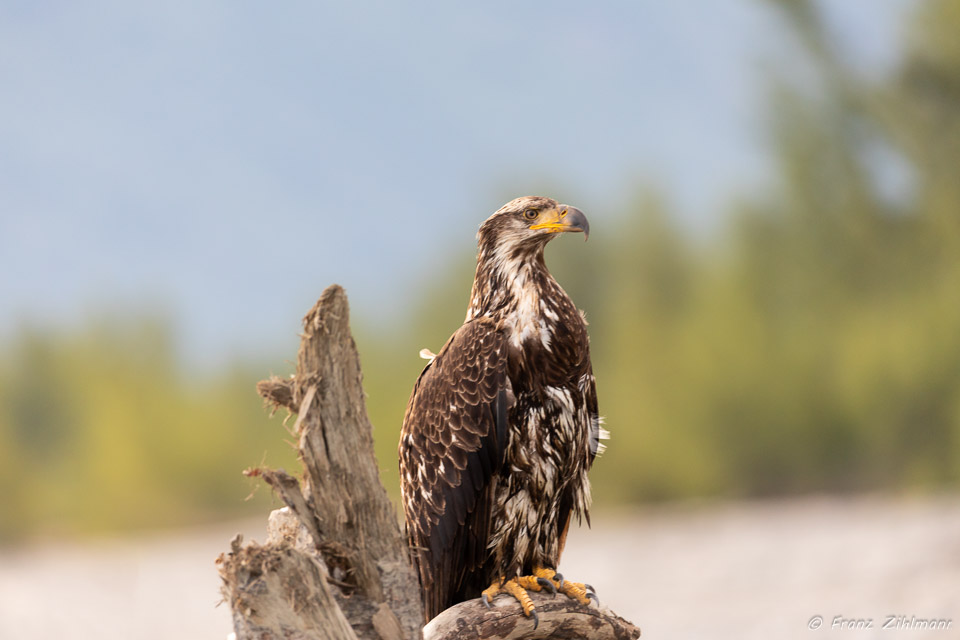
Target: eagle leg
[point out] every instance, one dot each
(541, 579)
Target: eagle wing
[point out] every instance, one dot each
(451, 449)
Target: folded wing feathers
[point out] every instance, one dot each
(457, 417)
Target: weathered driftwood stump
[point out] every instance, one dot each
(335, 564)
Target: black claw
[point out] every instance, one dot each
(559, 578)
(543, 582)
(536, 619)
(593, 596)
(486, 601)
(590, 588)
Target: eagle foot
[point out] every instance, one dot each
(578, 591)
(542, 579)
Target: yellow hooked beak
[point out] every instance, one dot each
(563, 218)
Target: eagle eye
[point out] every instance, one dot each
(530, 214)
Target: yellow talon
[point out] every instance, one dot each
(577, 591)
(542, 578)
(518, 589)
(543, 572)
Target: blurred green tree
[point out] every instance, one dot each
(811, 344)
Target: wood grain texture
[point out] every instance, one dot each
(278, 591)
(349, 527)
(560, 618)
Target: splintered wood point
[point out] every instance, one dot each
(351, 528)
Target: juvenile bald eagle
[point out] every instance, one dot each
(502, 425)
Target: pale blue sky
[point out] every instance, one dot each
(226, 160)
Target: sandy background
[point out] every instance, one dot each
(738, 570)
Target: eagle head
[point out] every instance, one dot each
(510, 265)
(525, 225)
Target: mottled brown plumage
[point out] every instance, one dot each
(502, 425)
